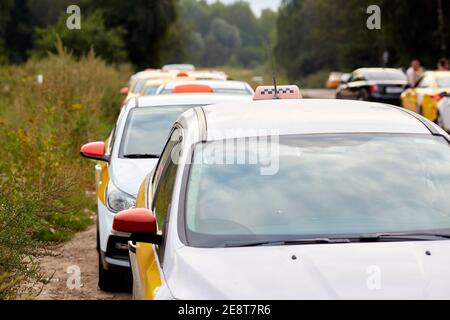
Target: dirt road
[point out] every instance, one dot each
(77, 256)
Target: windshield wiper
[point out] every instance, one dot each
(415, 236)
(378, 237)
(284, 242)
(141, 156)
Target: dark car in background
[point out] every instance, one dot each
(374, 84)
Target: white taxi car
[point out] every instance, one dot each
(133, 150)
(294, 199)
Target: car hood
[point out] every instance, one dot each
(127, 174)
(394, 270)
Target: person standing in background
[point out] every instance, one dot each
(442, 65)
(414, 72)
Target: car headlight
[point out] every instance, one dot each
(118, 200)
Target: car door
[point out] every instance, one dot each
(147, 259)
(412, 97)
(352, 88)
(356, 86)
(345, 92)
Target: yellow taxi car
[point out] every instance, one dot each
(423, 98)
(334, 80)
(138, 81)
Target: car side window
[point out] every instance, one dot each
(358, 77)
(165, 178)
(351, 78)
(167, 172)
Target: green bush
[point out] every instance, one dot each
(108, 43)
(44, 183)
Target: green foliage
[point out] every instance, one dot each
(149, 41)
(222, 40)
(148, 23)
(318, 35)
(218, 34)
(107, 43)
(45, 186)
(18, 18)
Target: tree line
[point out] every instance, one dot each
(139, 31)
(145, 32)
(307, 36)
(316, 35)
(219, 34)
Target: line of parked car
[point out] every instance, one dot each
(428, 96)
(207, 189)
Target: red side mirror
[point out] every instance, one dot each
(135, 221)
(124, 91)
(94, 150)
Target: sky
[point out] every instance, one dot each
(257, 5)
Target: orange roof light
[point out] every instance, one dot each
(192, 88)
(182, 74)
(283, 92)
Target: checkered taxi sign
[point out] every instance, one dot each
(282, 92)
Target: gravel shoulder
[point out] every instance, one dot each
(75, 257)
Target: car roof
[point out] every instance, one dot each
(223, 84)
(363, 70)
(439, 74)
(179, 66)
(308, 116)
(189, 99)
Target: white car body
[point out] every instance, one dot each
(385, 270)
(127, 174)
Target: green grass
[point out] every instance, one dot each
(43, 180)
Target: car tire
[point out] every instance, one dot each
(113, 281)
(363, 95)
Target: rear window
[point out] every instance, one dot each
(217, 90)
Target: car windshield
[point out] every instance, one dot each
(147, 129)
(151, 90)
(443, 82)
(320, 186)
(138, 85)
(385, 75)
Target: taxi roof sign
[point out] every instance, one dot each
(282, 92)
(182, 74)
(192, 88)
